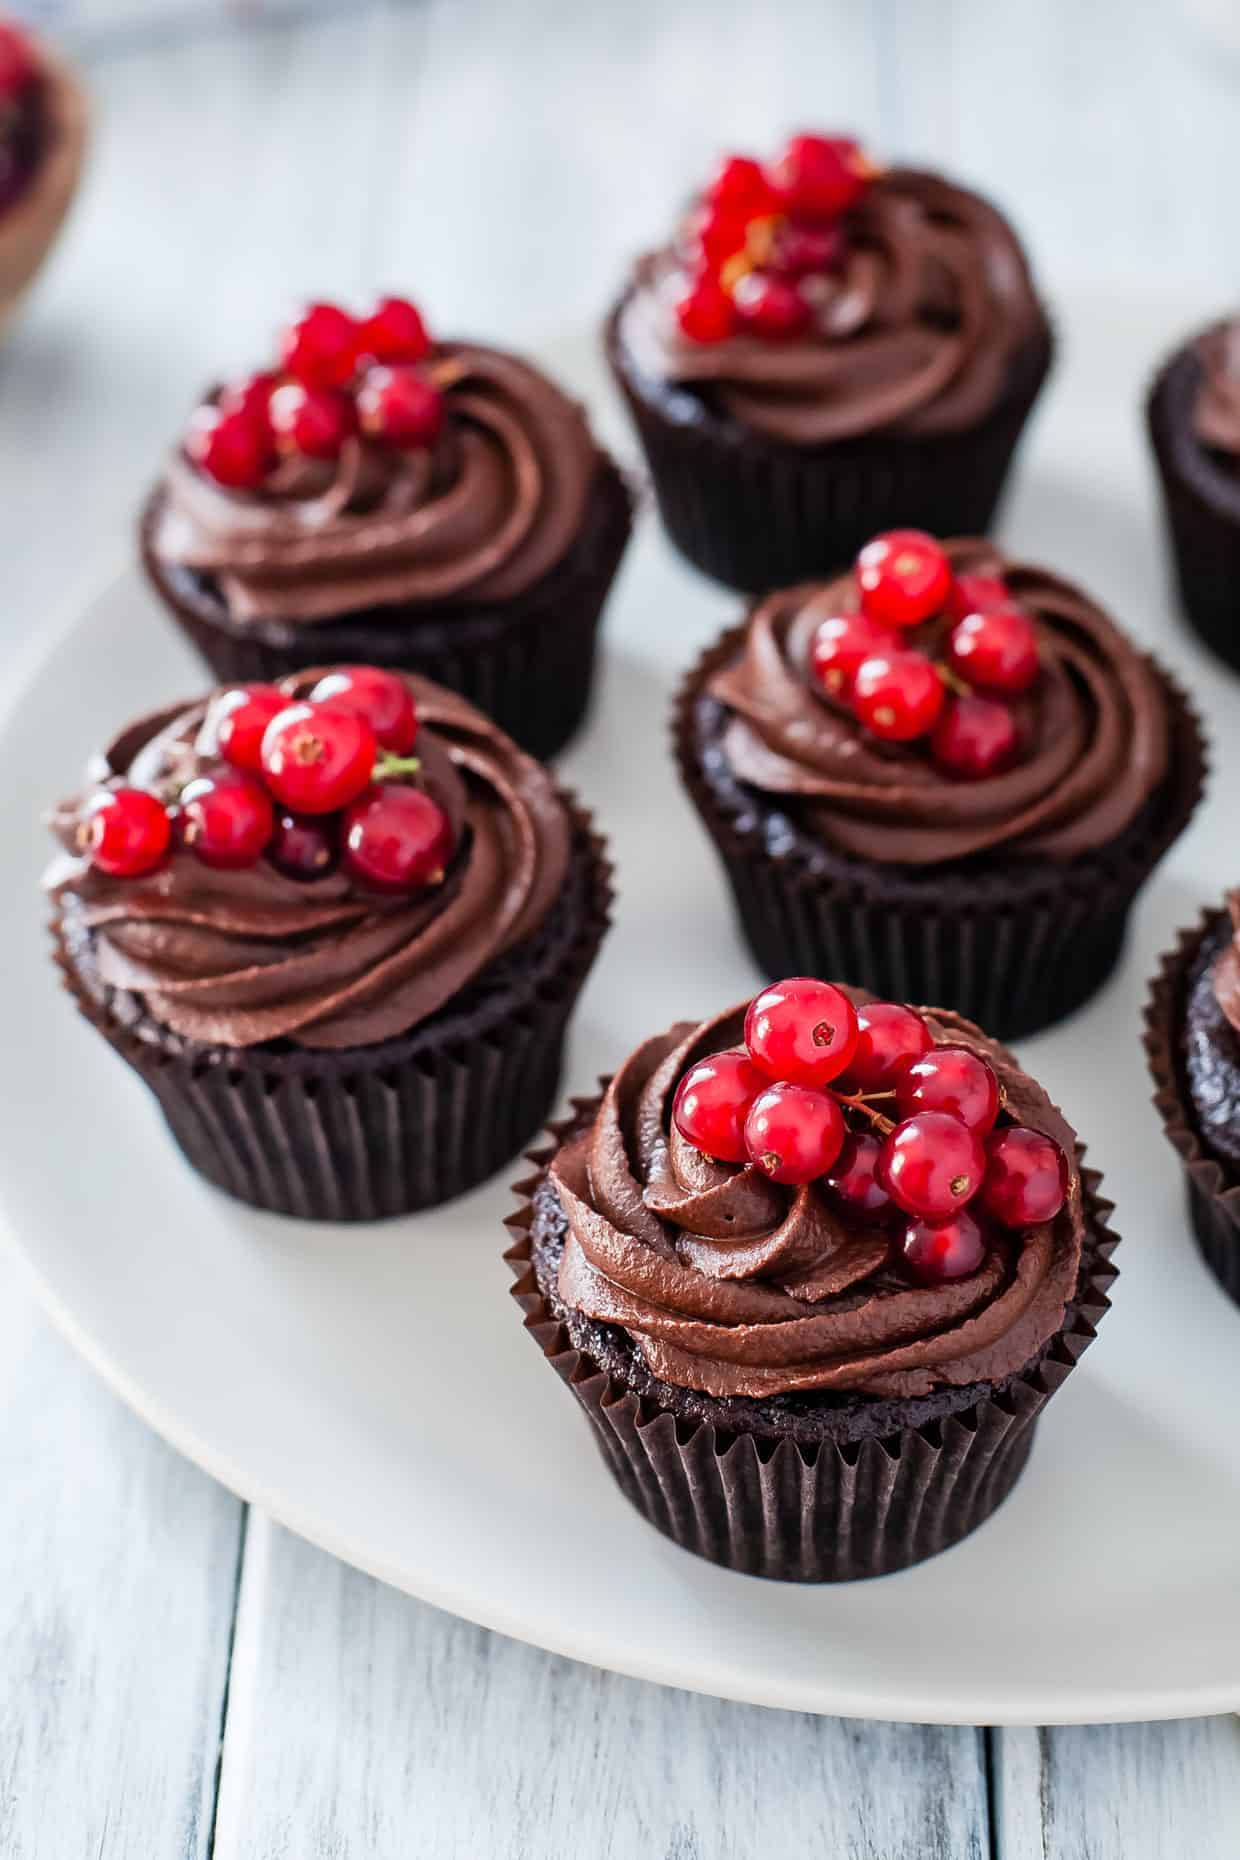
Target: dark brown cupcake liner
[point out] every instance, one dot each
(374, 1131)
(527, 663)
(1213, 1198)
(831, 1512)
(759, 515)
(1202, 506)
(1014, 949)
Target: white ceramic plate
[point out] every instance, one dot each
(373, 1389)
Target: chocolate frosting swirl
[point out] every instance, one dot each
(1095, 729)
(481, 516)
(236, 958)
(916, 332)
(733, 1285)
(1216, 412)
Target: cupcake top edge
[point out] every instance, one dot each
(372, 466)
(1216, 406)
(819, 1191)
(819, 297)
(326, 861)
(943, 701)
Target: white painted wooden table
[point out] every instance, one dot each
(179, 1678)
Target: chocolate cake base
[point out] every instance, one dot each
(758, 514)
(1201, 500)
(528, 663)
(1194, 1057)
(823, 1487)
(371, 1131)
(1012, 944)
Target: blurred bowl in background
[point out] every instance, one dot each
(28, 228)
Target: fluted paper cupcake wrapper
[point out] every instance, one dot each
(1213, 1199)
(1202, 517)
(528, 664)
(1014, 952)
(830, 1513)
(759, 515)
(373, 1131)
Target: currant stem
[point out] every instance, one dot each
(860, 1102)
(388, 765)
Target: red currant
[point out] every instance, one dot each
(975, 737)
(820, 176)
(126, 831)
(18, 65)
(938, 1251)
(397, 838)
(712, 1102)
(1026, 1176)
(771, 307)
(975, 594)
(239, 717)
(997, 650)
(394, 332)
(706, 312)
(951, 1079)
(225, 819)
(794, 1134)
(383, 698)
(315, 759)
(889, 1038)
(897, 695)
(801, 251)
(740, 187)
(801, 1031)
(853, 1178)
(314, 421)
(399, 407)
(252, 397)
(841, 644)
(304, 848)
(719, 233)
(232, 448)
(320, 348)
(932, 1165)
(904, 577)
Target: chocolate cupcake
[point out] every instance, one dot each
(440, 508)
(822, 1356)
(343, 970)
(1194, 421)
(1192, 1036)
(42, 142)
(959, 809)
(822, 350)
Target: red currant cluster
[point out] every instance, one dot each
(801, 1103)
(760, 236)
(973, 648)
(338, 375)
(306, 783)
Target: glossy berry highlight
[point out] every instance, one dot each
(397, 838)
(304, 846)
(705, 312)
(320, 348)
(394, 332)
(932, 1165)
(897, 696)
(382, 698)
(951, 1079)
(399, 407)
(854, 1180)
(315, 759)
(770, 307)
(225, 819)
(904, 578)
(995, 650)
(312, 421)
(230, 447)
(819, 177)
(890, 1037)
(936, 1252)
(841, 645)
(1026, 1179)
(125, 832)
(974, 737)
(801, 1031)
(239, 717)
(793, 1134)
(712, 1103)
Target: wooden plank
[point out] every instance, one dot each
(362, 1722)
(1119, 1792)
(118, 1571)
